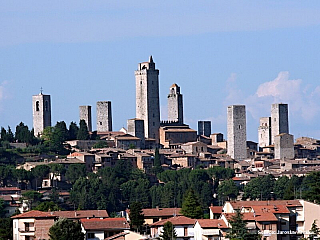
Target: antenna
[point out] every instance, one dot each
(41, 90)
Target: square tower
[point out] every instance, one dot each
(279, 120)
(284, 146)
(104, 116)
(237, 134)
(147, 98)
(85, 114)
(264, 132)
(204, 128)
(136, 128)
(41, 106)
(175, 105)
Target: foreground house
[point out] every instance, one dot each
(99, 229)
(182, 225)
(210, 229)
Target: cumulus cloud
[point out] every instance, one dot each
(303, 99)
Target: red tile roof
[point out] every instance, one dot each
(212, 223)
(161, 212)
(216, 209)
(273, 209)
(104, 224)
(259, 217)
(179, 220)
(288, 203)
(82, 214)
(35, 214)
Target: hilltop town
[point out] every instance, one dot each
(98, 178)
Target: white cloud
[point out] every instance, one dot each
(2, 90)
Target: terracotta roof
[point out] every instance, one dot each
(179, 220)
(35, 214)
(259, 217)
(119, 235)
(82, 214)
(9, 189)
(161, 212)
(212, 223)
(216, 209)
(104, 224)
(288, 203)
(273, 209)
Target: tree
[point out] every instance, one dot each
(32, 196)
(136, 216)
(75, 171)
(260, 187)
(315, 230)
(73, 131)
(6, 228)
(65, 229)
(23, 134)
(238, 229)
(168, 232)
(191, 207)
(228, 189)
(47, 206)
(83, 133)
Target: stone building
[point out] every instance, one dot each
(104, 116)
(204, 128)
(264, 132)
(284, 146)
(279, 120)
(136, 128)
(173, 136)
(175, 104)
(85, 114)
(41, 106)
(147, 98)
(236, 128)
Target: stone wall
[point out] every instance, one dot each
(104, 116)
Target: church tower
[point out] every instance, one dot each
(147, 98)
(175, 104)
(41, 106)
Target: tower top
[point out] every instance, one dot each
(150, 59)
(41, 90)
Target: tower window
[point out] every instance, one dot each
(141, 82)
(37, 106)
(46, 106)
(240, 127)
(100, 123)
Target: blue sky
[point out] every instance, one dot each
(219, 52)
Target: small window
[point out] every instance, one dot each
(240, 127)
(46, 106)
(100, 123)
(37, 106)
(153, 124)
(91, 235)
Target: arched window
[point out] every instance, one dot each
(37, 106)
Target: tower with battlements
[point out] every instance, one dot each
(175, 104)
(41, 106)
(147, 98)
(237, 135)
(264, 132)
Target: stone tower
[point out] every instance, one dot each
(175, 104)
(236, 128)
(85, 114)
(284, 146)
(41, 106)
(204, 128)
(147, 98)
(279, 120)
(136, 128)
(104, 116)
(264, 132)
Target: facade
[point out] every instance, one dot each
(264, 132)
(173, 136)
(204, 128)
(236, 128)
(85, 114)
(147, 98)
(284, 146)
(104, 116)
(136, 128)
(279, 120)
(41, 106)
(175, 104)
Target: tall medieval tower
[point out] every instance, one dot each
(175, 104)
(279, 120)
(41, 106)
(147, 98)
(237, 133)
(104, 116)
(85, 114)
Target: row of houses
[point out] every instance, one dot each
(272, 220)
